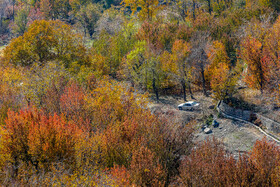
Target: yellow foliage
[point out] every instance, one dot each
(222, 81)
(45, 41)
(4, 156)
(148, 10)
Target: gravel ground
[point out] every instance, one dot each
(238, 137)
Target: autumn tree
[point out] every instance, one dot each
(20, 22)
(72, 104)
(88, 16)
(146, 169)
(179, 66)
(271, 58)
(135, 66)
(265, 158)
(157, 35)
(252, 52)
(10, 90)
(143, 67)
(33, 138)
(223, 81)
(199, 57)
(154, 74)
(51, 97)
(122, 42)
(209, 164)
(125, 125)
(221, 75)
(45, 8)
(45, 41)
(148, 8)
(38, 81)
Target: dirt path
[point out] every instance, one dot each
(237, 136)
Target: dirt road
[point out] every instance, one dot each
(237, 136)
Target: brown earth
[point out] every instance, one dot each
(238, 137)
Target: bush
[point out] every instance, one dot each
(35, 139)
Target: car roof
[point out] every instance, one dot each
(190, 102)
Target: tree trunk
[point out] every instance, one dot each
(190, 89)
(13, 10)
(155, 88)
(261, 72)
(203, 82)
(261, 82)
(85, 32)
(183, 83)
(193, 9)
(209, 6)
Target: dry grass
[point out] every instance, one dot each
(2, 50)
(251, 96)
(265, 103)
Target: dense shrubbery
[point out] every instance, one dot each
(100, 127)
(209, 164)
(70, 108)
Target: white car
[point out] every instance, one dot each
(191, 105)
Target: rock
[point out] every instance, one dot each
(215, 124)
(207, 131)
(203, 127)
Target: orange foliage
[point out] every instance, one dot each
(265, 156)
(162, 36)
(33, 137)
(121, 175)
(72, 101)
(145, 169)
(222, 82)
(210, 165)
(51, 100)
(216, 54)
(252, 53)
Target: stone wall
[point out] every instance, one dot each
(238, 113)
(269, 124)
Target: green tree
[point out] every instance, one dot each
(115, 47)
(135, 67)
(144, 68)
(20, 22)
